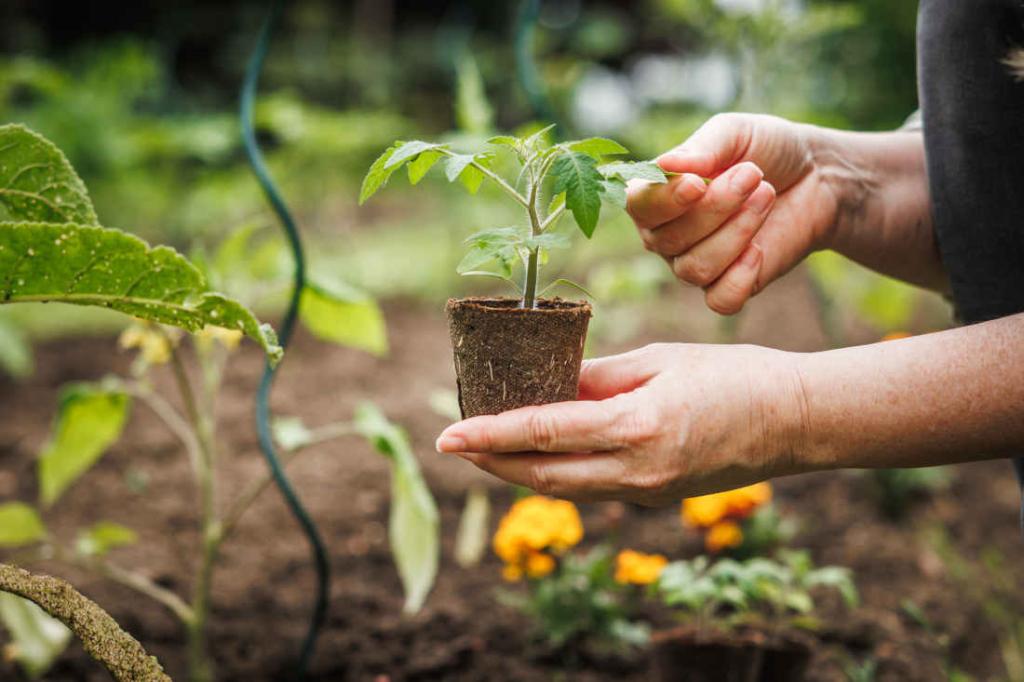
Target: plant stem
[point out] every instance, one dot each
(509, 189)
(533, 261)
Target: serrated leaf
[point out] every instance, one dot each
(104, 267)
(497, 236)
(576, 174)
(504, 141)
(639, 170)
(597, 147)
(20, 525)
(471, 538)
(414, 524)
(482, 254)
(344, 316)
(405, 151)
(103, 537)
(378, 174)
(15, 351)
(548, 240)
(614, 192)
(37, 639)
(539, 139)
(419, 166)
(471, 178)
(89, 420)
(37, 183)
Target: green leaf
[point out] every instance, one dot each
(556, 202)
(597, 147)
(103, 537)
(15, 351)
(407, 150)
(539, 139)
(471, 538)
(614, 192)
(89, 420)
(97, 266)
(291, 432)
(37, 183)
(20, 525)
(548, 240)
(378, 174)
(419, 166)
(576, 174)
(505, 141)
(37, 639)
(460, 167)
(344, 316)
(414, 524)
(445, 403)
(639, 170)
(476, 257)
(561, 281)
(471, 178)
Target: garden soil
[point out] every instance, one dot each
(263, 586)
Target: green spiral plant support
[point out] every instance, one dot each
(285, 330)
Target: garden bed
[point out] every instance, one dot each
(263, 588)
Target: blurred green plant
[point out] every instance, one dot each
(896, 490)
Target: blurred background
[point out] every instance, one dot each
(142, 98)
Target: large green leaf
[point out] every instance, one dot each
(20, 525)
(97, 266)
(414, 526)
(89, 420)
(37, 639)
(597, 147)
(345, 317)
(576, 174)
(38, 183)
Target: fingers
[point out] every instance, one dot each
(739, 282)
(571, 476)
(606, 377)
(705, 262)
(719, 143)
(724, 197)
(577, 426)
(652, 204)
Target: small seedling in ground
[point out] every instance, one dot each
(525, 352)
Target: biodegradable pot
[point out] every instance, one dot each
(508, 357)
(787, 659)
(686, 655)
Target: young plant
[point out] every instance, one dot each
(552, 179)
(570, 598)
(740, 523)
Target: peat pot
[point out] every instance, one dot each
(686, 655)
(508, 357)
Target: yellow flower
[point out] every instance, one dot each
(893, 336)
(723, 535)
(154, 346)
(707, 510)
(637, 568)
(512, 573)
(533, 528)
(539, 564)
(229, 338)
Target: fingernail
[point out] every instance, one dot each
(450, 444)
(690, 188)
(751, 256)
(745, 178)
(761, 199)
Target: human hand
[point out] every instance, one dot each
(768, 205)
(651, 426)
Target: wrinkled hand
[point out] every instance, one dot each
(651, 426)
(767, 206)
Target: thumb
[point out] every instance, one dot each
(602, 378)
(717, 145)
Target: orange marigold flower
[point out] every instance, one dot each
(539, 564)
(533, 528)
(707, 510)
(723, 535)
(512, 573)
(893, 336)
(637, 568)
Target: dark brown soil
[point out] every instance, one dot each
(508, 357)
(263, 586)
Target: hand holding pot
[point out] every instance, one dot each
(651, 426)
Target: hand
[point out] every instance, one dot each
(651, 426)
(768, 205)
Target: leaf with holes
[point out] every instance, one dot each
(97, 266)
(89, 420)
(414, 525)
(576, 174)
(37, 183)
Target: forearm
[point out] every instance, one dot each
(940, 398)
(880, 184)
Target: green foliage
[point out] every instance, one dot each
(20, 525)
(15, 352)
(731, 591)
(84, 264)
(565, 176)
(89, 420)
(414, 525)
(37, 639)
(895, 490)
(344, 316)
(104, 536)
(581, 603)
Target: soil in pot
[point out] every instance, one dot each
(687, 655)
(786, 658)
(508, 357)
